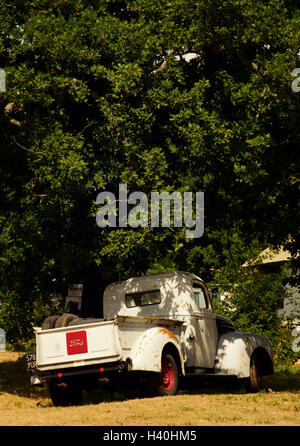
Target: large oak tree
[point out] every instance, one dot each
(176, 96)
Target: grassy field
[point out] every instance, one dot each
(278, 404)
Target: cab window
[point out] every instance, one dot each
(200, 297)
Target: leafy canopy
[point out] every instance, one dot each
(101, 93)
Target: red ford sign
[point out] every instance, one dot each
(76, 342)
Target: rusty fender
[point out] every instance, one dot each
(234, 352)
(146, 352)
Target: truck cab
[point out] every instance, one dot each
(179, 296)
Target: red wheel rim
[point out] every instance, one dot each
(259, 379)
(167, 375)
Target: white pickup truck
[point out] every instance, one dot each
(158, 327)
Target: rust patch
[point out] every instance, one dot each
(168, 333)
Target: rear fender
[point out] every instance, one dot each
(234, 353)
(146, 353)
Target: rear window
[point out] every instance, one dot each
(142, 299)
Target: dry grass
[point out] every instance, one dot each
(20, 405)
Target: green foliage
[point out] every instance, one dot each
(253, 297)
(100, 93)
(18, 316)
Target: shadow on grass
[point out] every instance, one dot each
(288, 381)
(14, 379)
(279, 382)
(99, 395)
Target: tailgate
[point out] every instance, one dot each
(79, 345)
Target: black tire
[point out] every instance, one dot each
(64, 320)
(166, 383)
(65, 393)
(254, 383)
(49, 322)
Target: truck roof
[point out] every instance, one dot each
(175, 292)
(166, 275)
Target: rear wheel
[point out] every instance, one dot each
(65, 393)
(254, 383)
(167, 381)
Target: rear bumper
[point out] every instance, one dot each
(38, 377)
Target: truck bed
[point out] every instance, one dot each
(79, 345)
(93, 343)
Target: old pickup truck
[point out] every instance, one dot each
(156, 328)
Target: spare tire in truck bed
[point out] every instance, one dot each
(64, 320)
(49, 322)
(83, 321)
